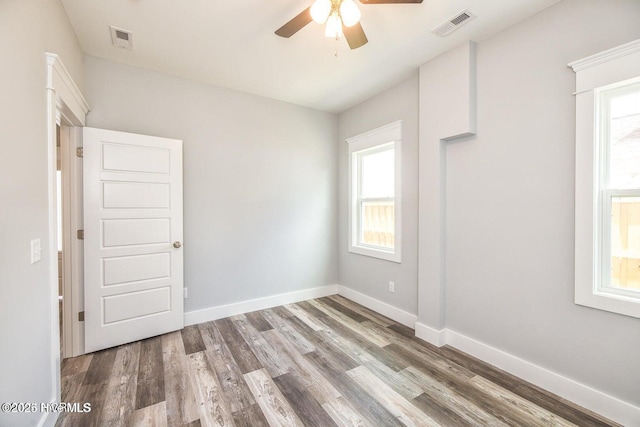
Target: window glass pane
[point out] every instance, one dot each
(377, 174)
(378, 224)
(625, 243)
(624, 154)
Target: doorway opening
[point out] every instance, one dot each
(70, 245)
(59, 242)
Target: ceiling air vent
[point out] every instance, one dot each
(454, 23)
(121, 38)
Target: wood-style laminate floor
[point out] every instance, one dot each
(324, 362)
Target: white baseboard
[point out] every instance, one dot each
(219, 312)
(430, 335)
(581, 394)
(378, 306)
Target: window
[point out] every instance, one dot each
(607, 210)
(374, 209)
(618, 187)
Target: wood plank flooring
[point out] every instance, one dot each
(324, 362)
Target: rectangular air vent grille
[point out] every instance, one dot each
(121, 38)
(454, 23)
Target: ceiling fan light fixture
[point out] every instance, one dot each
(350, 13)
(334, 26)
(342, 18)
(320, 10)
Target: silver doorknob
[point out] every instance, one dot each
(177, 244)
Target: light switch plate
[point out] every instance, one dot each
(36, 251)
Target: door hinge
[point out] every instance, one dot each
(81, 316)
(80, 234)
(79, 152)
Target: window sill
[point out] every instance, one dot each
(393, 256)
(612, 302)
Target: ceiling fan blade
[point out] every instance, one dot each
(296, 24)
(389, 1)
(355, 36)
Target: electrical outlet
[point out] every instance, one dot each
(392, 287)
(185, 293)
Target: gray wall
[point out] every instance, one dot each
(364, 274)
(510, 195)
(510, 203)
(28, 28)
(259, 180)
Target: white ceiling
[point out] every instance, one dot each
(232, 44)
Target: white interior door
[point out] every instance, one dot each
(132, 237)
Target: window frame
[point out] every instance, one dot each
(372, 142)
(596, 74)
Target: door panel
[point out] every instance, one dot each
(136, 268)
(136, 304)
(132, 216)
(126, 232)
(135, 195)
(133, 158)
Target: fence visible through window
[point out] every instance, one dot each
(625, 242)
(378, 224)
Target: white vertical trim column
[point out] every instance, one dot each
(447, 112)
(64, 103)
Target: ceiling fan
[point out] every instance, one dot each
(342, 17)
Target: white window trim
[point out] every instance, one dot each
(606, 68)
(389, 134)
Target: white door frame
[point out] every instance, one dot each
(65, 105)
